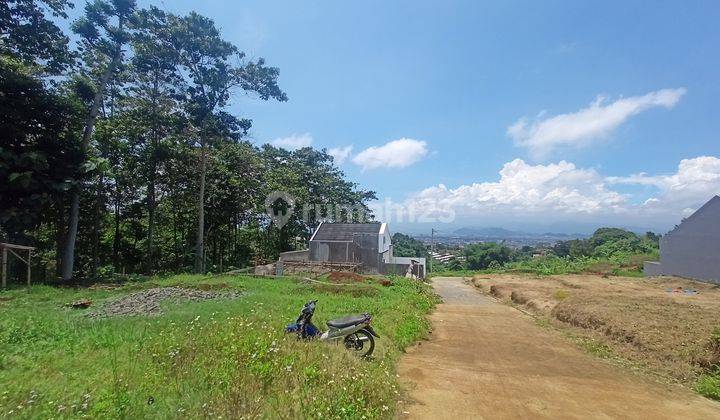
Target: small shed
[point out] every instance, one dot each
(15, 250)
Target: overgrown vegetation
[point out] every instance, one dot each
(609, 251)
(119, 153)
(216, 358)
(709, 383)
(407, 246)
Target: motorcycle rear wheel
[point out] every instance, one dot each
(361, 343)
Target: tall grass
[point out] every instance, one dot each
(226, 358)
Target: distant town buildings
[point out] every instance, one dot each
(446, 257)
(515, 242)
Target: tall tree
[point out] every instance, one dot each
(154, 89)
(118, 143)
(103, 33)
(37, 153)
(27, 33)
(210, 63)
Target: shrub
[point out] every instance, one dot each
(709, 385)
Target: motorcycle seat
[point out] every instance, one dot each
(346, 321)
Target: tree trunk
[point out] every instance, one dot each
(234, 249)
(59, 233)
(68, 259)
(200, 234)
(151, 181)
(151, 226)
(176, 253)
(214, 250)
(116, 235)
(96, 228)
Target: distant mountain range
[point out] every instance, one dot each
(496, 232)
(566, 230)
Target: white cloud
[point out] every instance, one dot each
(395, 154)
(695, 181)
(580, 129)
(562, 192)
(528, 189)
(293, 142)
(340, 154)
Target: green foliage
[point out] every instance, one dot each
(610, 251)
(604, 235)
(162, 83)
(455, 265)
(709, 385)
(38, 153)
(226, 358)
(486, 255)
(550, 265)
(30, 35)
(407, 246)
(608, 243)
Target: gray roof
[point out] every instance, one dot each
(344, 231)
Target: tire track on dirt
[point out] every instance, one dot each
(488, 360)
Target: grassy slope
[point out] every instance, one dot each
(212, 358)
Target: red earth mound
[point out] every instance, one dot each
(345, 277)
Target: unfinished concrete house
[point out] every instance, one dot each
(692, 249)
(365, 243)
(359, 247)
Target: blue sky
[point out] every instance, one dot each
(453, 77)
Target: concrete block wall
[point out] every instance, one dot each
(303, 255)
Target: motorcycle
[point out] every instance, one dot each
(354, 330)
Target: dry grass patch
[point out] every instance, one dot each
(668, 333)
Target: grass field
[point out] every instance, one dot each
(216, 358)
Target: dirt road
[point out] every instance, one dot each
(488, 360)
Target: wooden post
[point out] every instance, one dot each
(4, 267)
(28, 266)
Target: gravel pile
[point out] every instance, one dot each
(147, 302)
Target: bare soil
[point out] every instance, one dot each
(147, 302)
(661, 324)
(345, 276)
(489, 360)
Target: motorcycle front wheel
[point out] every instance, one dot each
(361, 343)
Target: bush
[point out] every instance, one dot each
(483, 255)
(709, 385)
